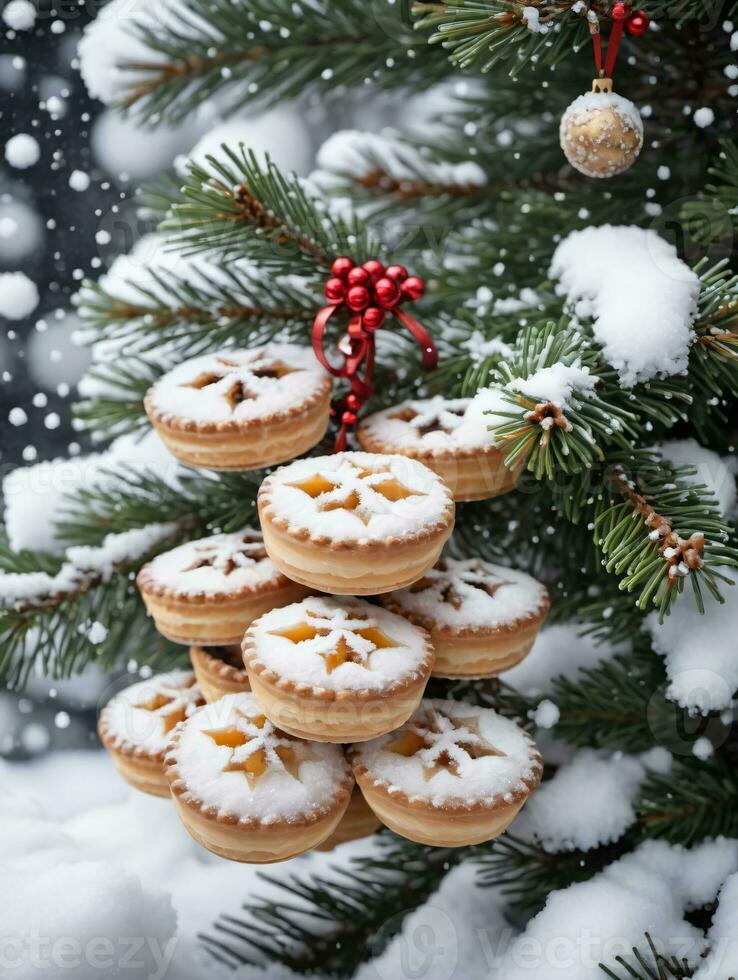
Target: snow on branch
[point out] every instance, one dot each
(386, 164)
(557, 416)
(699, 651)
(164, 59)
(36, 497)
(587, 803)
(647, 891)
(84, 565)
(158, 298)
(641, 298)
(244, 207)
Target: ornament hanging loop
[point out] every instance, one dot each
(635, 22)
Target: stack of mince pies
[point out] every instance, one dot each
(303, 722)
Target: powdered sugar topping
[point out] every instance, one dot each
(221, 563)
(229, 756)
(240, 386)
(144, 714)
(471, 594)
(356, 497)
(429, 427)
(339, 644)
(452, 752)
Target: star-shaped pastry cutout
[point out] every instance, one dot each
(435, 418)
(227, 556)
(343, 638)
(173, 704)
(354, 489)
(241, 378)
(257, 747)
(443, 743)
(458, 585)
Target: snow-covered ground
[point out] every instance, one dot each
(99, 881)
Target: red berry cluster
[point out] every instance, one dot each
(636, 21)
(371, 289)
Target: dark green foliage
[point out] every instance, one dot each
(130, 499)
(592, 487)
(696, 800)
(246, 209)
(647, 963)
(49, 634)
(267, 51)
(331, 924)
(527, 874)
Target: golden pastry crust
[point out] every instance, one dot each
(219, 446)
(460, 594)
(355, 511)
(247, 837)
(365, 570)
(138, 747)
(219, 671)
(358, 821)
(477, 796)
(206, 592)
(282, 419)
(433, 432)
(437, 827)
(474, 657)
(220, 622)
(336, 714)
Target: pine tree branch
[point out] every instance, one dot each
(52, 640)
(48, 627)
(126, 499)
(331, 924)
(242, 207)
(25, 562)
(483, 33)
(696, 800)
(526, 873)
(269, 51)
(713, 362)
(649, 964)
(665, 532)
(591, 716)
(598, 421)
(118, 409)
(713, 218)
(194, 311)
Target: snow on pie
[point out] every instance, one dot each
(206, 592)
(482, 618)
(247, 790)
(337, 669)
(451, 436)
(242, 410)
(355, 523)
(454, 774)
(135, 726)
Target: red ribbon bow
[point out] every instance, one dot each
(369, 291)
